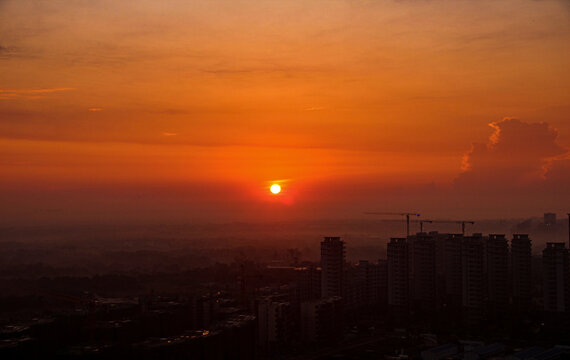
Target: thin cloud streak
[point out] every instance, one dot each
(30, 93)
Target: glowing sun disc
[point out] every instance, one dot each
(276, 189)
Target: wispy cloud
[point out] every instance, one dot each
(315, 108)
(5, 51)
(95, 109)
(169, 134)
(29, 93)
(13, 52)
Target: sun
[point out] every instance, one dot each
(276, 189)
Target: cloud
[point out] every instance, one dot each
(169, 134)
(95, 109)
(12, 52)
(29, 93)
(516, 153)
(558, 174)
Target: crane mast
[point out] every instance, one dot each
(406, 214)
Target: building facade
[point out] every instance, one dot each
(332, 264)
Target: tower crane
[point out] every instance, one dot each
(422, 224)
(462, 222)
(406, 214)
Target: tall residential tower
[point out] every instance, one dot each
(398, 276)
(521, 261)
(332, 264)
(555, 276)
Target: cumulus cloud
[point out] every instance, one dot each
(558, 174)
(516, 153)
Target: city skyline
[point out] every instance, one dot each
(285, 179)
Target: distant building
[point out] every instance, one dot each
(382, 274)
(472, 277)
(365, 280)
(439, 266)
(398, 275)
(233, 338)
(274, 323)
(354, 287)
(497, 271)
(203, 311)
(452, 272)
(423, 271)
(371, 278)
(307, 283)
(521, 262)
(322, 320)
(549, 219)
(374, 279)
(555, 278)
(332, 264)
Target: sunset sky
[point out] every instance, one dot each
(172, 109)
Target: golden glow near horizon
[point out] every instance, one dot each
(275, 189)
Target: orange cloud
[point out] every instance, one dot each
(517, 152)
(29, 93)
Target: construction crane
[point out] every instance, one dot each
(406, 214)
(462, 222)
(422, 224)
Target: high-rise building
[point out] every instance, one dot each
(307, 283)
(555, 278)
(322, 320)
(423, 271)
(452, 274)
(521, 261)
(332, 264)
(366, 281)
(274, 323)
(354, 288)
(549, 219)
(371, 279)
(497, 271)
(382, 275)
(398, 275)
(472, 267)
(439, 243)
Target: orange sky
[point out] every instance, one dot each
(354, 105)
